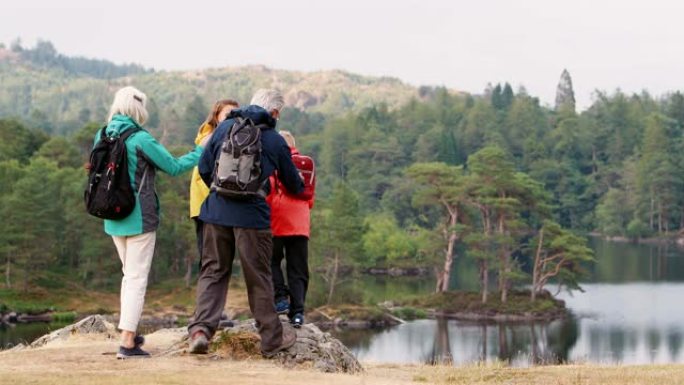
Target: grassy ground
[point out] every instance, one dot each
(92, 362)
(173, 298)
(169, 297)
(518, 304)
(40, 300)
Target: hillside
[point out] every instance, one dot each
(60, 94)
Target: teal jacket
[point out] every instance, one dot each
(145, 156)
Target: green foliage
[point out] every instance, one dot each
(612, 215)
(344, 223)
(33, 211)
(560, 255)
(393, 162)
(70, 92)
(45, 55)
(64, 317)
(386, 244)
(193, 116)
(338, 236)
(565, 95)
(638, 229)
(59, 150)
(18, 142)
(518, 304)
(408, 313)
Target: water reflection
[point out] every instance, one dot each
(453, 342)
(636, 323)
(621, 262)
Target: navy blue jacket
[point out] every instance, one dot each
(275, 156)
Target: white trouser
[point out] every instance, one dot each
(136, 254)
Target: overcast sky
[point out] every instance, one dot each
(605, 44)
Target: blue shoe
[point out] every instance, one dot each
(297, 320)
(282, 306)
(134, 352)
(139, 340)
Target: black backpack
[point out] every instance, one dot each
(237, 174)
(109, 194)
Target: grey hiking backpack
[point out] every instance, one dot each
(237, 174)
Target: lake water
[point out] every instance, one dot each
(630, 313)
(11, 335)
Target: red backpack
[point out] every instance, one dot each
(306, 167)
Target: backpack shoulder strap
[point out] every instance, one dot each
(103, 133)
(129, 132)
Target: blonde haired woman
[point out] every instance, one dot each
(198, 189)
(134, 236)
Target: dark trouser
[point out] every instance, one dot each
(218, 250)
(295, 251)
(198, 232)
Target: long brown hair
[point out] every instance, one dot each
(212, 118)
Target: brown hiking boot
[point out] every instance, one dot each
(199, 343)
(289, 339)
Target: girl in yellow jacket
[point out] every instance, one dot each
(198, 190)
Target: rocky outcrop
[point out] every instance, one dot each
(92, 325)
(313, 349)
(301, 99)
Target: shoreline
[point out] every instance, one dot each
(388, 320)
(672, 239)
(455, 305)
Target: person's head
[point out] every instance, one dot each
(220, 110)
(289, 138)
(131, 102)
(270, 100)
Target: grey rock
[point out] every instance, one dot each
(313, 348)
(301, 99)
(94, 324)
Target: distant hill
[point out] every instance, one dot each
(59, 94)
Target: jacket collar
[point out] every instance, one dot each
(120, 123)
(256, 113)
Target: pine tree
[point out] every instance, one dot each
(497, 97)
(660, 179)
(559, 254)
(339, 230)
(442, 186)
(565, 95)
(507, 96)
(507, 200)
(33, 213)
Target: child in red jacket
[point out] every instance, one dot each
(290, 224)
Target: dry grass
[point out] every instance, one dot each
(237, 346)
(89, 361)
(92, 362)
(553, 375)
